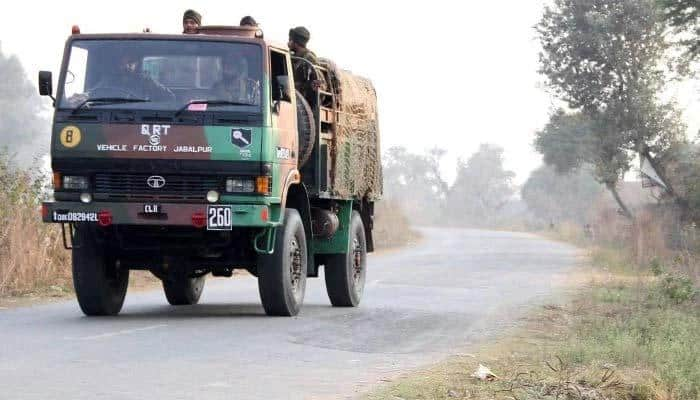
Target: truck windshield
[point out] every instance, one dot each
(162, 74)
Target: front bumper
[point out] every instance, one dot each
(171, 214)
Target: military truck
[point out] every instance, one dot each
(190, 155)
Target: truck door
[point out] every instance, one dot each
(284, 118)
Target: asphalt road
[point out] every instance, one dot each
(421, 304)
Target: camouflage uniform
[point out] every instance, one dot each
(303, 65)
(303, 72)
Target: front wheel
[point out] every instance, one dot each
(100, 285)
(345, 273)
(282, 274)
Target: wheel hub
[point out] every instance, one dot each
(295, 266)
(356, 262)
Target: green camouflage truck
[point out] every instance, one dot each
(189, 155)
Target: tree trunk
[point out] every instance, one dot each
(625, 211)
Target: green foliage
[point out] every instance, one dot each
(678, 288)
(683, 17)
(567, 141)
(557, 197)
(598, 53)
(635, 330)
(656, 267)
(603, 58)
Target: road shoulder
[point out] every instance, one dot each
(615, 334)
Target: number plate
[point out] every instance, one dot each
(152, 209)
(219, 218)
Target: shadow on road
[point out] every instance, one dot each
(211, 310)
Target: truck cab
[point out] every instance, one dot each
(190, 155)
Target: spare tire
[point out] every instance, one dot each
(306, 128)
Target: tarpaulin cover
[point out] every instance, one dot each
(357, 167)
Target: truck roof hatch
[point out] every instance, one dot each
(240, 31)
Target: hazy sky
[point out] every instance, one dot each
(448, 74)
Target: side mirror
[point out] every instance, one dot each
(45, 83)
(285, 90)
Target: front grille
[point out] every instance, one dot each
(135, 187)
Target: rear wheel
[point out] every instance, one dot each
(182, 290)
(100, 285)
(345, 273)
(282, 274)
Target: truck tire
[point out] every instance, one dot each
(100, 285)
(183, 290)
(345, 273)
(282, 274)
(306, 127)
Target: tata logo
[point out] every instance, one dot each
(155, 181)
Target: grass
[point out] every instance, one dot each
(625, 334)
(32, 257)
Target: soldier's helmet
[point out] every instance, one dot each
(248, 21)
(299, 35)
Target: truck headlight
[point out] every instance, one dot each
(240, 185)
(72, 182)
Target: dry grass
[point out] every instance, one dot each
(34, 266)
(32, 257)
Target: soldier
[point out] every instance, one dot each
(191, 21)
(235, 84)
(248, 21)
(125, 79)
(305, 78)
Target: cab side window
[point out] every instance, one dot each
(279, 76)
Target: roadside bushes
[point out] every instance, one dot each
(392, 228)
(31, 253)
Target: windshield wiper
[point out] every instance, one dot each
(108, 100)
(211, 103)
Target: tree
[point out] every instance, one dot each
(683, 17)
(481, 189)
(602, 57)
(551, 195)
(23, 129)
(570, 140)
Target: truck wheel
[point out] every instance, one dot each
(306, 127)
(282, 274)
(183, 290)
(99, 285)
(345, 273)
